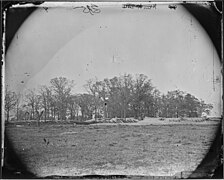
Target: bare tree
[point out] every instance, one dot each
(10, 102)
(18, 97)
(38, 110)
(87, 104)
(114, 101)
(46, 99)
(126, 90)
(31, 99)
(92, 86)
(122, 96)
(73, 106)
(62, 91)
(142, 96)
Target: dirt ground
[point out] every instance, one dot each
(150, 150)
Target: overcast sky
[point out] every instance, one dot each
(169, 46)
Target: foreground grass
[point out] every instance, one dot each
(65, 149)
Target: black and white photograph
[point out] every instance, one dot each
(112, 90)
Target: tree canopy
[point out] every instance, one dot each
(121, 96)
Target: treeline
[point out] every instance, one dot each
(123, 96)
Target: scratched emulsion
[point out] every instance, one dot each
(163, 42)
(91, 42)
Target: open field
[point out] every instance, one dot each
(124, 149)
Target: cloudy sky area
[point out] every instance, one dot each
(169, 46)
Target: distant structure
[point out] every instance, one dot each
(204, 114)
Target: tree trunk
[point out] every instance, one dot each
(7, 116)
(105, 111)
(48, 112)
(33, 112)
(124, 112)
(95, 113)
(71, 114)
(17, 113)
(54, 112)
(82, 114)
(45, 114)
(59, 117)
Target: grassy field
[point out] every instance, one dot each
(151, 150)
